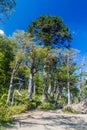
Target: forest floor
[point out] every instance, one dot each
(49, 120)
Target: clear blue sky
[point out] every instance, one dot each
(73, 12)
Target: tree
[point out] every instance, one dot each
(19, 37)
(69, 55)
(50, 30)
(7, 47)
(6, 7)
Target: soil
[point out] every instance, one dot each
(49, 120)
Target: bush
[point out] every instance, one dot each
(62, 100)
(5, 114)
(17, 109)
(68, 109)
(47, 106)
(19, 100)
(31, 105)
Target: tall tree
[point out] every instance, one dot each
(50, 30)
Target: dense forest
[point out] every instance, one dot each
(39, 69)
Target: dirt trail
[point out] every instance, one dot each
(49, 120)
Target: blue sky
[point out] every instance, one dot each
(73, 12)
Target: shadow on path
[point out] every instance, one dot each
(49, 122)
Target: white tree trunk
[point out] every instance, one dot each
(68, 85)
(30, 86)
(68, 82)
(49, 88)
(11, 80)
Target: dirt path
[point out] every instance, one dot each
(49, 120)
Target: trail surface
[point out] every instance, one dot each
(49, 120)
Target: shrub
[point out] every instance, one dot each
(68, 109)
(5, 114)
(31, 105)
(17, 109)
(47, 106)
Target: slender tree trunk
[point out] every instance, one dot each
(10, 88)
(58, 93)
(34, 88)
(81, 70)
(11, 80)
(13, 98)
(49, 88)
(54, 89)
(68, 82)
(69, 100)
(86, 91)
(45, 90)
(80, 86)
(30, 86)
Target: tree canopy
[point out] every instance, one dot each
(50, 30)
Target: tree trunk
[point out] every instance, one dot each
(49, 88)
(58, 93)
(45, 90)
(68, 82)
(86, 91)
(30, 86)
(34, 88)
(68, 85)
(11, 80)
(81, 85)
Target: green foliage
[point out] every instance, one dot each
(23, 99)
(5, 114)
(36, 101)
(38, 79)
(47, 106)
(17, 109)
(49, 29)
(7, 48)
(3, 98)
(62, 100)
(32, 105)
(68, 109)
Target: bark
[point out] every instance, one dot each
(11, 80)
(30, 86)
(86, 91)
(45, 90)
(68, 82)
(49, 88)
(34, 88)
(80, 86)
(69, 100)
(58, 93)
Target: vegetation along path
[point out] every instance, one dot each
(49, 120)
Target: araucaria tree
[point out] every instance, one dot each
(44, 63)
(50, 31)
